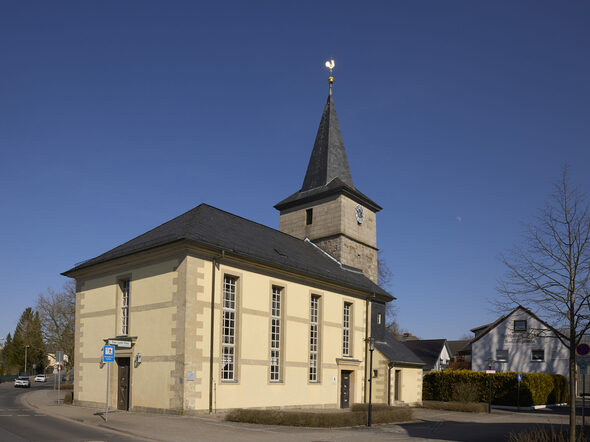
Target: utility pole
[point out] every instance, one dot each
(26, 348)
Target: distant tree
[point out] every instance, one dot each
(5, 355)
(27, 333)
(385, 276)
(57, 313)
(550, 272)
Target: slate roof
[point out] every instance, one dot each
(501, 319)
(397, 352)
(457, 346)
(328, 158)
(328, 171)
(208, 226)
(426, 349)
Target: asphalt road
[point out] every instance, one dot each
(20, 423)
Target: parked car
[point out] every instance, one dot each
(40, 378)
(23, 382)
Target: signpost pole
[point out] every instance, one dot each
(518, 396)
(106, 412)
(582, 355)
(583, 403)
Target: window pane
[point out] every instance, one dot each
(228, 334)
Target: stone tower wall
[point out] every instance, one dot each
(336, 230)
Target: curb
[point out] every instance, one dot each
(531, 408)
(25, 401)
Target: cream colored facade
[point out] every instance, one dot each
(170, 326)
(395, 384)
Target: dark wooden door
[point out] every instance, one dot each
(123, 365)
(397, 387)
(345, 389)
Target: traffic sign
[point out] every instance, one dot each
(108, 353)
(519, 377)
(583, 349)
(490, 371)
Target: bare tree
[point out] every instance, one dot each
(57, 313)
(385, 275)
(550, 272)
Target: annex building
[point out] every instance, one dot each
(213, 311)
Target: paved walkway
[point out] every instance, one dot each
(429, 425)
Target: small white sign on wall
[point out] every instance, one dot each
(190, 375)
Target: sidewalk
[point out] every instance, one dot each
(429, 425)
(158, 427)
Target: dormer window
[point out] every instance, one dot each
(520, 325)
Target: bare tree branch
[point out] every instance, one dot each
(550, 272)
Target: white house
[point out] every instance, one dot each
(521, 342)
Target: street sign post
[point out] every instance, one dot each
(108, 355)
(583, 356)
(518, 379)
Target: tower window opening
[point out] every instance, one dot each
(308, 216)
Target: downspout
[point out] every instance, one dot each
(366, 347)
(390, 366)
(214, 262)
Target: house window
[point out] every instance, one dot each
(228, 334)
(501, 355)
(375, 373)
(314, 310)
(308, 216)
(275, 334)
(520, 325)
(538, 355)
(124, 284)
(346, 330)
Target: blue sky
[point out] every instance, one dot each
(457, 116)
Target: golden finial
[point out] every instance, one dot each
(330, 65)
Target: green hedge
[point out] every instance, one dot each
(535, 388)
(324, 418)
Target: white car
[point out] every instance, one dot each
(23, 382)
(40, 378)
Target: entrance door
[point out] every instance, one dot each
(123, 365)
(397, 388)
(345, 389)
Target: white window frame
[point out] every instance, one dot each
(499, 358)
(314, 338)
(125, 285)
(519, 329)
(346, 329)
(275, 333)
(229, 323)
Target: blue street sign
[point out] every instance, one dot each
(108, 353)
(519, 377)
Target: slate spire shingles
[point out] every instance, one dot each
(328, 172)
(328, 158)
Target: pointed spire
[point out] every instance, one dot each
(328, 158)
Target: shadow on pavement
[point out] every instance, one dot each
(471, 431)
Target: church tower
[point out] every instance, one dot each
(328, 209)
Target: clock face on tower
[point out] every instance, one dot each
(360, 213)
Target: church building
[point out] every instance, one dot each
(212, 311)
